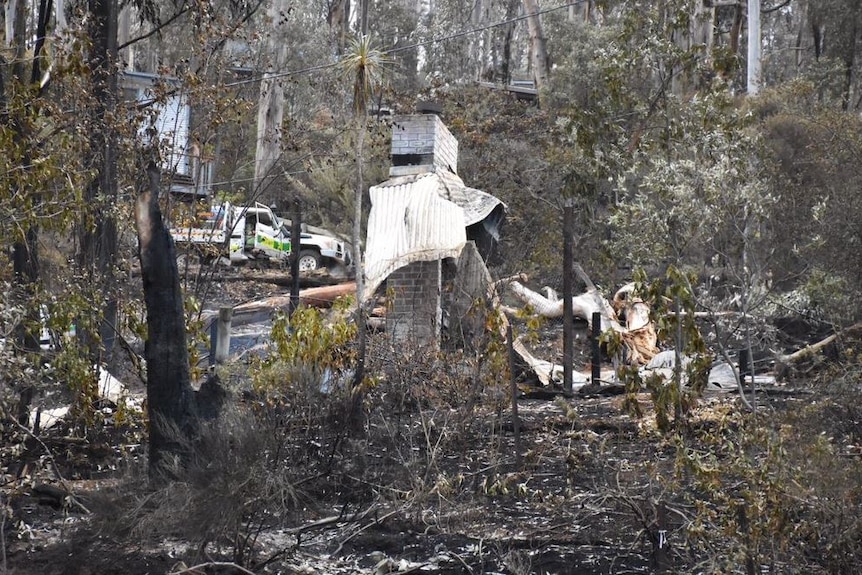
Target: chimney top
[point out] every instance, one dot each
(429, 107)
(421, 143)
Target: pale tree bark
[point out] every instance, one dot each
(638, 333)
(538, 49)
(800, 34)
(60, 17)
(754, 55)
(696, 40)
(270, 112)
(11, 13)
(338, 19)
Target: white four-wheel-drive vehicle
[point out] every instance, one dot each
(255, 233)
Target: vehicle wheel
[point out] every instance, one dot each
(309, 260)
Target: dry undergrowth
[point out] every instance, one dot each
(429, 478)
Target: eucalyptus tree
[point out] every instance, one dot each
(835, 27)
(42, 171)
(815, 148)
(396, 25)
(270, 113)
(471, 41)
(539, 67)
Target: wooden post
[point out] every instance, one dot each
(596, 359)
(516, 422)
(745, 365)
(568, 319)
(295, 248)
(221, 345)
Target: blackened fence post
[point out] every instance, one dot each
(596, 360)
(568, 319)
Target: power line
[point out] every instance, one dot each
(483, 28)
(310, 69)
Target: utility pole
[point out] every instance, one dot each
(753, 47)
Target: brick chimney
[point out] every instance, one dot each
(421, 143)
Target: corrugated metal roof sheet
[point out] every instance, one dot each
(410, 222)
(421, 217)
(475, 203)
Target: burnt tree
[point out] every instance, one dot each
(171, 402)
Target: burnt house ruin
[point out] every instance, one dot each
(429, 236)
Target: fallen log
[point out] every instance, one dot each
(583, 306)
(322, 296)
(638, 335)
(545, 371)
(259, 310)
(814, 348)
(316, 278)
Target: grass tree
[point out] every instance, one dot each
(363, 64)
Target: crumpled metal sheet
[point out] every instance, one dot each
(477, 205)
(420, 217)
(410, 222)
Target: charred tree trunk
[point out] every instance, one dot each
(25, 263)
(568, 272)
(295, 232)
(361, 343)
(736, 30)
(170, 398)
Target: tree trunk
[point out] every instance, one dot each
(568, 273)
(270, 112)
(339, 21)
(25, 260)
(25, 264)
(363, 16)
(357, 249)
(735, 31)
(538, 50)
(98, 239)
(817, 29)
(753, 76)
(849, 56)
(508, 39)
(170, 398)
(694, 39)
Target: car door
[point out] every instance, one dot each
(268, 235)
